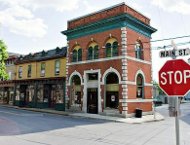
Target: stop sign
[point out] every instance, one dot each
(174, 77)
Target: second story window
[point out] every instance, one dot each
(111, 48)
(57, 67)
(20, 72)
(10, 75)
(93, 51)
(29, 70)
(77, 54)
(43, 67)
(139, 50)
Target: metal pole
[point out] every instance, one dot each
(177, 121)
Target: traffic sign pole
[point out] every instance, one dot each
(177, 120)
(174, 80)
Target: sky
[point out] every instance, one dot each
(28, 26)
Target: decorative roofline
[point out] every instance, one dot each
(106, 13)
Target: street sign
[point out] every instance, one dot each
(175, 52)
(174, 77)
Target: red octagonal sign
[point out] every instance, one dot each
(174, 77)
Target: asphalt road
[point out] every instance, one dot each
(19, 127)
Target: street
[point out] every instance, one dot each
(20, 127)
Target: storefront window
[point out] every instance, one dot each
(40, 93)
(57, 93)
(31, 93)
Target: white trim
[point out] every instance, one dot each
(125, 108)
(123, 28)
(138, 60)
(109, 59)
(75, 73)
(124, 67)
(86, 83)
(134, 100)
(110, 70)
(142, 73)
(123, 35)
(134, 83)
(148, 84)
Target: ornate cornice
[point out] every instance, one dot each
(123, 20)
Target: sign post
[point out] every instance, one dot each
(177, 121)
(174, 80)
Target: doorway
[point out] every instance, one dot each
(92, 100)
(47, 96)
(23, 95)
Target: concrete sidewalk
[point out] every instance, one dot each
(145, 118)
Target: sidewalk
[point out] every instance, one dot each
(131, 120)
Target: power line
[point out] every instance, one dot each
(165, 39)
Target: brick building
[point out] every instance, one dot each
(108, 67)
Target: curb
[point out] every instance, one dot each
(131, 120)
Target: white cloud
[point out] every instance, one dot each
(18, 15)
(59, 5)
(21, 21)
(182, 6)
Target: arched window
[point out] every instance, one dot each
(80, 54)
(112, 91)
(75, 94)
(111, 48)
(139, 50)
(96, 52)
(140, 86)
(74, 59)
(77, 54)
(90, 53)
(93, 51)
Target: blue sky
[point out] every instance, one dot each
(35, 25)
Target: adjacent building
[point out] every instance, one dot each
(7, 87)
(108, 69)
(40, 79)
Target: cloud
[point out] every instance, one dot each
(21, 21)
(18, 15)
(58, 5)
(182, 6)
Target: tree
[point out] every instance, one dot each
(3, 57)
(157, 87)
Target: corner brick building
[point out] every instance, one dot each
(108, 67)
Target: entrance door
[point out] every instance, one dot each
(92, 100)
(47, 96)
(23, 97)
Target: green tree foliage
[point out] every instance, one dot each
(3, 57)
(156, 85)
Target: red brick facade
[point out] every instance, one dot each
(116, 95)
